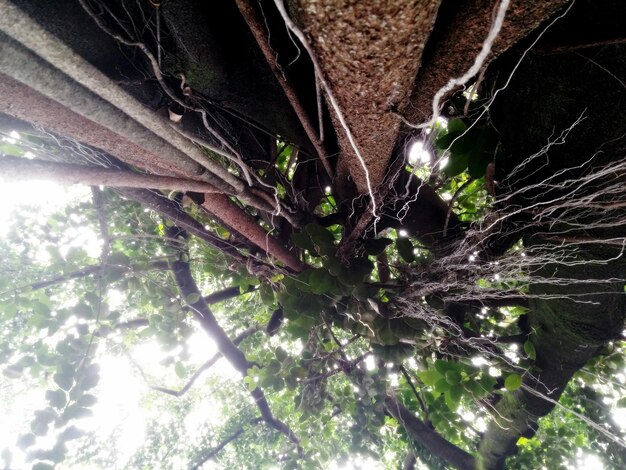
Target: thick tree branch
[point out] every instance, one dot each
(66, 173)
(225, 294)
(230, 351)
(429, 438)
(565, 333)
(172, 211)
(409, 461)
(56, 86)
(36, 92)
(23, 29)
(90, 270)
(200, 309)
(210, 299)
(457, 40)
(220, 206)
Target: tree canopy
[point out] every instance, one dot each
(321, 234)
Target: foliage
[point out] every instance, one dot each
(326, 373)
(277, 321)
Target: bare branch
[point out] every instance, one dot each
(230, 351)
(178, 393)
(171, 210)
(240, 221)
(415, 392)
(88, 271)
(66, 173)
(429, 438)
(215, 450)
(258, 30)
(210, 299)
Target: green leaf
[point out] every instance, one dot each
(477, 165)
(474, 388)
(179, 368)
(465, 143)
(6, 456)
(39, 428)
(375, 246)
(82, 310)
(320, 281)
(513, 382)
(621, 403)
(445, 366)
(487, 383)
(444, 141)
(273, 367)
(42, 466)
(76, 411)
(90, 377)
(457, 163)
(442, 386)
(405, 249)
(281, 354)
(118, 258)
(63, 381)
(71, 433)
(333, 265)
(322, 239)
(46, 415)
(430, 377)
(453, 377)
(456, 125)
(453, 397)
(87, 400)
(385, 334)
(25, 440)
(319, 234)
(267, 294)
(56, 398)
(298, 372)
(13, 371)
(302, 240)
(529, 349)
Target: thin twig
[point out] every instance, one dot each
(215, 450)
(415, 392)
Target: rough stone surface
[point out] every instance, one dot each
(369, 52)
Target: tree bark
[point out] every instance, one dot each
(32, 73)
(225, 345)
(23, 29)
(68, 174)
(576, 301)
(221, 207)
(429, 438)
